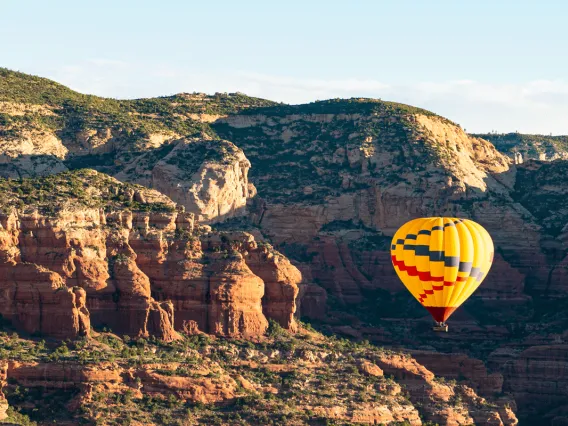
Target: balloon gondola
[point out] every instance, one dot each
(441, 261)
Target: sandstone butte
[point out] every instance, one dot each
(327, 184)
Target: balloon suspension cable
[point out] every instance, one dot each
(441, 326)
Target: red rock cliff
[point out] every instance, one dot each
(140, 274)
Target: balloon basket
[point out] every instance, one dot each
(441, 328)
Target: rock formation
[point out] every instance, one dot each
(209, 178)
(141, 273)
(444, 403)
(315, 378)
(116, 262)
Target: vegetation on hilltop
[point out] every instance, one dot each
(341, 106)
(28, 89)
(74, 111)
(79, 188)
(19, 87)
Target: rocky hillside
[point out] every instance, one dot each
(47, 128)
(324, 185)
(522, 147)
(298, 379)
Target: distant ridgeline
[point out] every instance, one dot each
(521, 147)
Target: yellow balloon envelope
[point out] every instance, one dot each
(441, 261)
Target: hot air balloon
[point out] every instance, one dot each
(441, 261)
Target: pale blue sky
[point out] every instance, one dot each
(489, 65)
